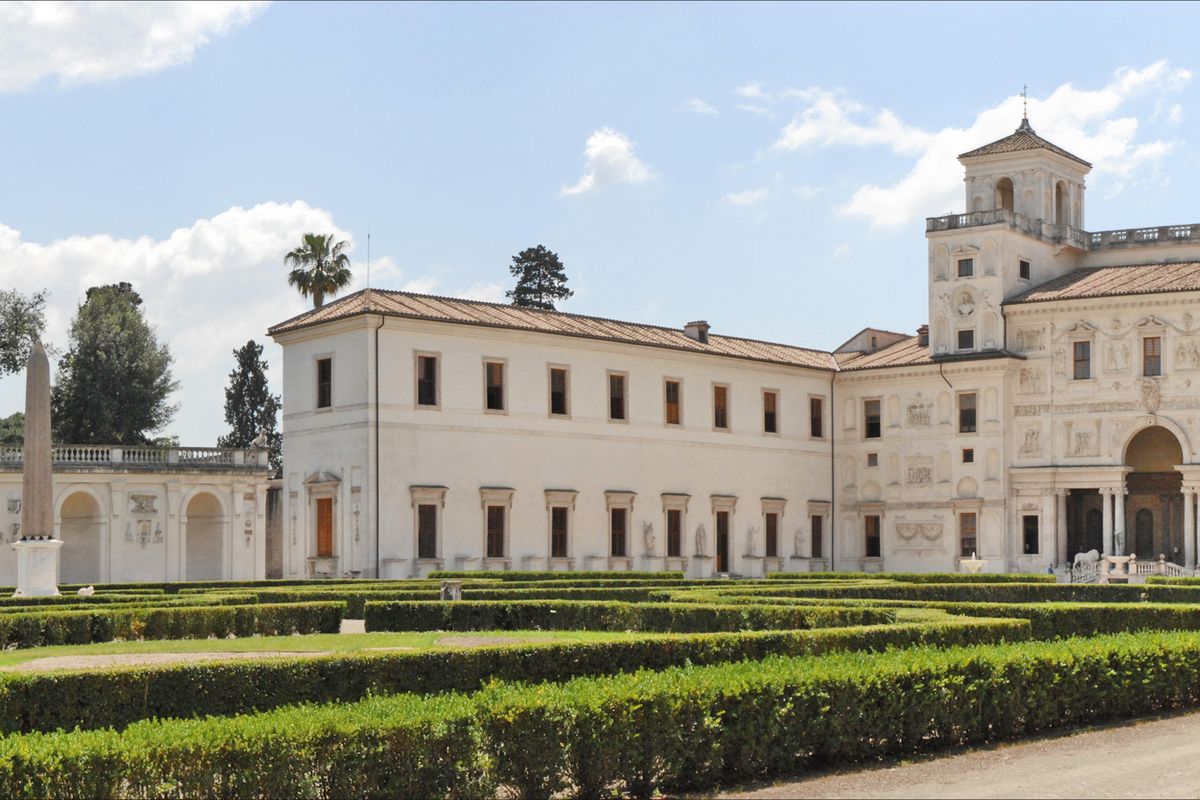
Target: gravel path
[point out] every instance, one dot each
(1154, 758)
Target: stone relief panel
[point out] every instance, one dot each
(1030, 381)
(1030, 340)
(1082, 438)
(919, 471)
(920, 413)
(14, 502)
(1116, 357)
(143, 504)
(1187, 355)
(1031, 443)
(918, 534)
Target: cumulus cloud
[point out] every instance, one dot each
(749, 197)
(1089, 123)
(89, 42)
(609, 160)
(208, 288)
(698, 106)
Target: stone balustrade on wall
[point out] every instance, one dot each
(1065, 234)
(76, 457)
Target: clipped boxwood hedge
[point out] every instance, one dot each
(42, 628)
(983, 593)
(471, 615)
(674, 731)
(31, 701)
(918, 577)
(556, 576)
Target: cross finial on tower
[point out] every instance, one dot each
(1025, 102)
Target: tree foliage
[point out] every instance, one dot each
(250, 408)
(22, 319)
(541, 280)
(115, 380)
(319, 267)
(12, 429)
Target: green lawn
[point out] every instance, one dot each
(321, 642)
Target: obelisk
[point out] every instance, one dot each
(37, 551)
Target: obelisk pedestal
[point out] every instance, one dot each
(37, 551)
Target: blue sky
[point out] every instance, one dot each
(766, 167)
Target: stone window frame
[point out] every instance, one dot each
(550, 367)
(958, 266)
(766, 390)
(1090, 339)
(773, 505)
(728, 428)
(675, 501)
(876, 399)
(623, 499)
(1022, 259)
(497, 496)
(958, 343)
(875, 509)
(824, 510)
(679, 383)
(1022, 515)
(560, 498)
(958, 408)
(821, 398)
(625, 394)
(967, 506)
(1152, 329)
(317, 358)
(725, 503)
(427, 496)
(437, 380)
(504, 385)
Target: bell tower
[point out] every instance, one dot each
(1023, 226)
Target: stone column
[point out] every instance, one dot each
(1189, 527)
(1119, 501)
(1106, 503)
(1060, 524)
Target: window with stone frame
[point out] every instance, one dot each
(1152, 356)
(617, 388)
(324, 382)
(816, 546)
(1082, 360)
(966, 267)
(427, 538)
(672, 403)
(967, 412)
(497, 519)
(618, 531)
(770, 411)
(560, 517)
(872, 534)
(872, 419)
(967, 541)
(1030, 535)
(674, 532)
(559, 387)
(771, 534)
(427, 380)
(720, 407)
(966, 339)
(494, 399)
(816, 418)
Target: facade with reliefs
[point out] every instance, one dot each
(1047, 409)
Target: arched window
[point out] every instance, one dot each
(1004, 194)
(1060, 203)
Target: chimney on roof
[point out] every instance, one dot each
(923, 336)
(697, 330)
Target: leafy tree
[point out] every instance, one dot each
(319, 267)
(12, 429)
(540, 279)
(250, 408)
(115, 380)
(22, 319)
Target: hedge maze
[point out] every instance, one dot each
(701, 684)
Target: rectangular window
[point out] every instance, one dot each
(427, 394)
(324, 527)
(872, 459)
(558, 391)
(1025, 270)
(966, 535)
(721, 407)
(1083, 361)
(618, 527)
(771, 530)
(1029, 534)
(966, 267)
(494, 371)
(616, 396)
(968, 455)
(495, 531)
(558, 531)
(816, 428)
(817, 545)
(324, 382)
(966, 339)
(873, 426)
(674, 532)
(871, 528)
(1152, 356)
(426, 531)
(770, 412)
(672, 412)
(966, 412)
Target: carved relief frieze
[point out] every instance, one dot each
(1030, 409)
(920, 471)
(1030, 381)
(143, 504)
(1082, 438)
(918, 534)
(1116, 357)
(1031, 443)
(1030, 340)
(1187, 355)
(14, 502)
(920, 413)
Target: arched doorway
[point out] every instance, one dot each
(205, 534)
(1154, 506)
(80, 521)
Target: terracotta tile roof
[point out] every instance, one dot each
(1111, 281)
(1022, 139)
(903, 353)
(495, 315)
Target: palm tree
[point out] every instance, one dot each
(319, 267)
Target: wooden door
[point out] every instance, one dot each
(325, 527)
(722, 541)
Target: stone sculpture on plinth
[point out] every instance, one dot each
(37, 549)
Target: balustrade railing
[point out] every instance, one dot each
(1065, 234)
(74, 455)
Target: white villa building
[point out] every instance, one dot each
(1048, 408)
(147, 514)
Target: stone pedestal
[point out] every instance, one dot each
(37, 567)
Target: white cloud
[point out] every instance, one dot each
(89, 42)
(490, 292)
(752, 91)
(749, 197)
(1085, 122)
(207, 287)
(698, 106)
(610, 160)
(841, 251)
(750, 108)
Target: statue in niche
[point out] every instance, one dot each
(1117, 357)
(1187, 355)
(701, 540)
(798, 542)
(1031, 381)
(751, 544)
(648, 537)
(1032, 446)
(965, 305)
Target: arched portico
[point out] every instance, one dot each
(82, 528)
(204, 526)
(1154, 507)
